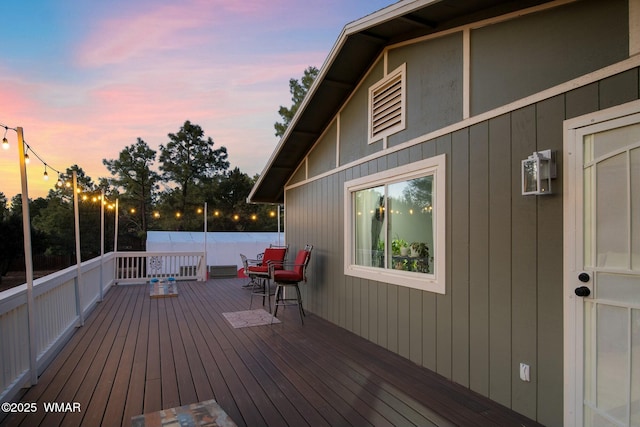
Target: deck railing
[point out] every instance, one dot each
(63, 299)
(139, 267)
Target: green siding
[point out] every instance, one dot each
(434, 72)
(299, 176)
(353, 137)
(499, 248)
(503, 300)
(459, 278)
(524, 264)
(322, 157)
(550, 269)
(479, 262)
(513, 59)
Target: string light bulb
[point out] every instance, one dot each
(46, 175)
(5, 141)
(26, 156)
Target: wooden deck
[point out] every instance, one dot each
(137, 355)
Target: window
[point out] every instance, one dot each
(387, 105)
(395, 226)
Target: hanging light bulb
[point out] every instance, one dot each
(59, 184)
(5, 142)
(26, 156)
(46, 175)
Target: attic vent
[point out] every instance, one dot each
(387, 105)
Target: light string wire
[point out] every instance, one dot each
(47, 165)
(29, 148)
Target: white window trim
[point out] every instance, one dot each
(435, 166)
(401, 71)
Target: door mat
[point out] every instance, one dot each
(243, 319)
(207, 413)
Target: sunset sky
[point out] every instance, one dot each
(85, 79)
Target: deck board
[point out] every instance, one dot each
(138, 355)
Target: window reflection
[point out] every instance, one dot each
(394, 226)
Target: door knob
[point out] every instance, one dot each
(584, 277)
(583, 291)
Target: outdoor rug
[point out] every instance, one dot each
(207, 413)
(243, 319)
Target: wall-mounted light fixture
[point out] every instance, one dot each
(537, 172)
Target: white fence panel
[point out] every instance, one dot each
(55, 313)
(141, 267)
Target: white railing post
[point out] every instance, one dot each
(78, 254)
(101, 243)
(206, 270)
(26, 228)
(53, 313)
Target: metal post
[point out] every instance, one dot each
(79, 283)
(28, 262)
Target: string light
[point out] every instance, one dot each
(27, 158)
(5, 141)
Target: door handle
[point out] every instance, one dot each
(583, 291)
(584, 277)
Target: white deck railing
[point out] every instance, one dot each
(139, 267)
(62, 301)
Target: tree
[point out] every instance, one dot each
(298, 91)
(231, 198)
(3, 205)
(55, 217)
(132, 173)
(188, 159)
(10, 231)
(64, 187)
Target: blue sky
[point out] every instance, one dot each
(85, 79)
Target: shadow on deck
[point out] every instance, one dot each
(138, 355)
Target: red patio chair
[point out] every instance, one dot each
(274, 257)
(286, 277)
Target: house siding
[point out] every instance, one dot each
(434, 76)
(322, 157)
(354, 137)
(510, 60)
(504, 290)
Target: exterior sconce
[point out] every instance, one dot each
(537, 172)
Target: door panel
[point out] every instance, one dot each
(609, 249)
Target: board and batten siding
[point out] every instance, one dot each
(503, 300)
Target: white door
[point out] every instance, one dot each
(602, 271)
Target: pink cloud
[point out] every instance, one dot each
(135, 33)
(146, 72)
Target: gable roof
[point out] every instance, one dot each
(358, 46)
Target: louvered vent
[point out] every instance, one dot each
(387, 107)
